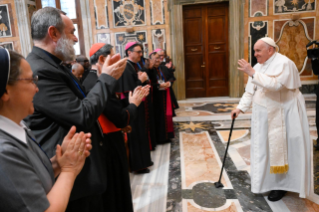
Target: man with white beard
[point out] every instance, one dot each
(280, 139)
(62, 102)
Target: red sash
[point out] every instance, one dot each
(106, 125)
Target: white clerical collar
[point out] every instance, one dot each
(270, 59)
(15, 130)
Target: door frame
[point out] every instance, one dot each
(236, 44)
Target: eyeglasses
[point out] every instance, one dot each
(138, 52)
(34, 79)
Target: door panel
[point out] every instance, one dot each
(206, 50)
(194, 51)
(196, 12)
(193, 29)
(216, 29)
(216, 11)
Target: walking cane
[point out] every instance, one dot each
(219, 184)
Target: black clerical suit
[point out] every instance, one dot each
(139, 155)
(169, 75)
(117, 197)
(60, 104)
(315, 68)
(160, 107)
(149, 107)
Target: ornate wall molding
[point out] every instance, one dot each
(122, 38)
(284, 7)
(256, 30)
(128, 13)
(158, 39)
(291, 38)
(258, 8)
(157, 12)
(101, 20)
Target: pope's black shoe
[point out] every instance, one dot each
(143, 171)
(276, 195)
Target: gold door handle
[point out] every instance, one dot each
(203, 66)
(193, 50)
(216, 47)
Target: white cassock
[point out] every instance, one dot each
(279, 106)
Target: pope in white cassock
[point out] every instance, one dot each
(280, 138)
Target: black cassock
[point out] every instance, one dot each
(138, 142)
(163, 123)
(118, 195)
(169, 75)
(148, 103)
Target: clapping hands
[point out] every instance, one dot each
(114, 66)
(139, 94)
(142, 76)
(74, 150)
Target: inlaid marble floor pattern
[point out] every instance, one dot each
(182, 178)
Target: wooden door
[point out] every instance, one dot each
(206, 50)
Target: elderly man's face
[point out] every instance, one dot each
(161, 55)
(262, 52)
(156, 59)
(64, 46)
(78, 72)
(69, 29)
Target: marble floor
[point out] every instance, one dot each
(182, 178)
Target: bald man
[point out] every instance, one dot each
(77, 70)
(280, 139)
(84, 61)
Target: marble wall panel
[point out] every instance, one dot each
(257, 30)
(292, 6)
(103, 38)
(157, 12)
(122, 38)
(258, 8)
(158, 39)
(6, 22)
(128, 13)
(101, 14)
(292, 38)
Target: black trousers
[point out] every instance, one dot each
(86, 204)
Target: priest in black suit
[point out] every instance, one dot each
(62, 102)
(138, 142)
(115, 124)
(163, 110)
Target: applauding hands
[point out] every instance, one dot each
(139, 94)
(114, 66)
(75, 148)
(165, 85)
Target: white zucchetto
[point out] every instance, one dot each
(269, 41)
